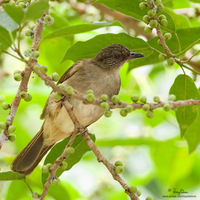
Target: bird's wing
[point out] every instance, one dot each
(70, 72)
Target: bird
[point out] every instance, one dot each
(100, 74)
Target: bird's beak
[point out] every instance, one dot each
(135, 55)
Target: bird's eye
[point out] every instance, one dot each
(117, 56)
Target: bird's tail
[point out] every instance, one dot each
(31, 155)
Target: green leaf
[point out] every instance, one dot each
(192, 134)
(5, 40)
(9, 175)
(80, 147)
(7, 22)
(90, 48)
(35, 10)
(184, 88)
(81, 28)
(16, 13)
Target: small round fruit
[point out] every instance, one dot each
(18, 77)
(143, 99)
(104, 97)
(35, 195)
(90, 91)
(146, 107)
(148, 30)
(119, 169)
(162, 57)
(133, 189)
(146, 19)
(156, 99)
(17, 72)
(139, 193)
(118, 163)
(90, 97)
(143, 6)
(12, 137)
(36, 67)
(104, 105)
(164, 22)
(115, 99)
(27, 53)
(28, 97)
(11, 129)
(149, 198)
(161, 17)
(153, 23)
(160, 8)
(5, 105)
(28, 32)
(23, 94)
(55, 181)
(108, 113)
(150, 114)
(151, 13)
(48, 20)
(172, 97)
(135, 98)
(168, 36)
(129, 108)
(157, 2)
(22, 5)
(55, 77)
(57, 96)
(60, 85)
(2, 125)
(64, 165)
(69, 90)
(158, 42)
(70, 150)
(170, 61)
(43, 68)
(123, 112)
(167, 107)
(45, 169)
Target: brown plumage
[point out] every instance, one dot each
(100, 74)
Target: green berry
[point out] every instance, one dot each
(22, 5)
(129, 108)
(48, 20)
(148, 30)
(172, 97)
(151, 13)
(146, 19)
(118, 163)
(160, 8)
(135, 98)
(49, 165)
(143, 99)
(90, 91)
(18, 77)
(153, 23)
(43, 68)
(104, 97)
(55, 77)
(156, 99)
(167, 107)
(170, 61)
(58, 96)
(133, 189)
(143, 6)
(2, 125)
(23, 94)
(90, 97)
(36, 67)
(35, 195)
(150, 114)
(5, 105)
(157, 2)
(55, 181)
(119, 169)
(28, 97)
(11, 129)
(164, 22)
(108, 113)
(29, 32)
(123, 112)
(146, 107)
(27, 53)
(138, 193)
(149, 198)
(60, 85)
(168, 36)
(158, 42)
(161, 17)
(45, 169)
(69, 90)
(104, 105)
(12, 137)
(70, 150)
(162, 57)
(64, 165)
(17, 72)
(11, 2)
(115, 99)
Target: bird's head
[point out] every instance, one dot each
(114, 56)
